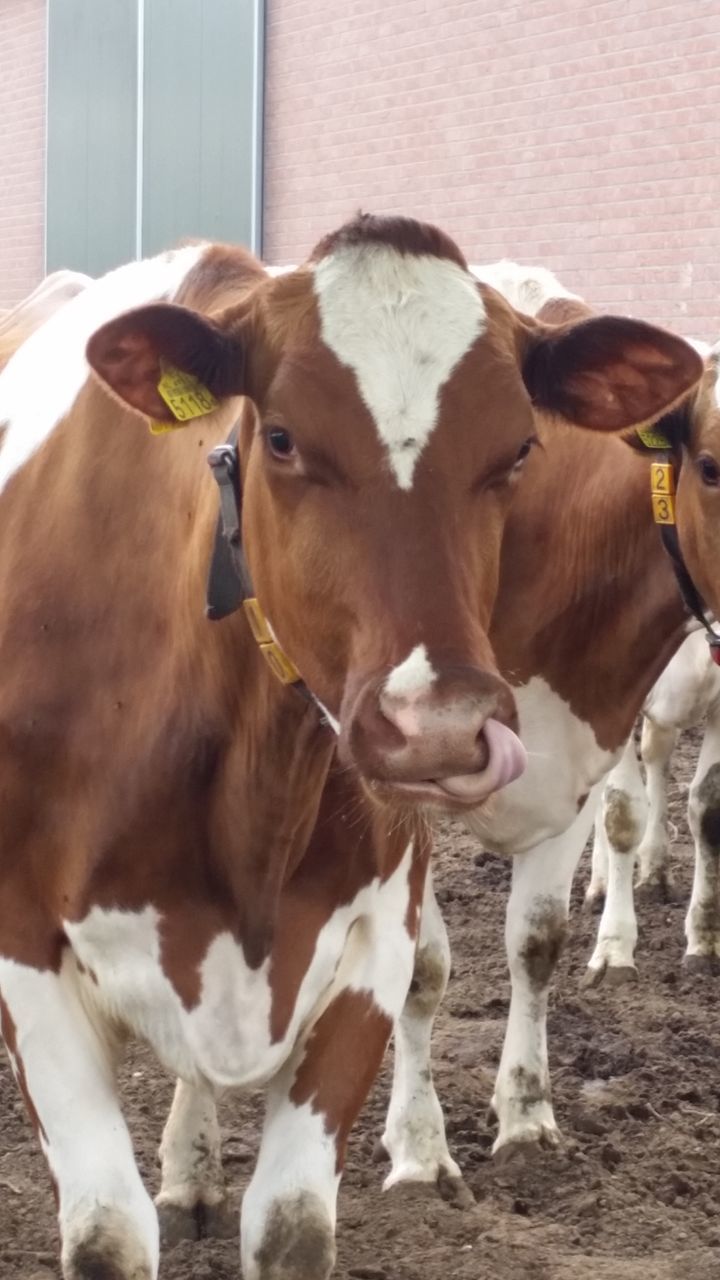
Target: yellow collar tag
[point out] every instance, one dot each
(185, 396)
(652, 439)
(277, 660)
(662, 492)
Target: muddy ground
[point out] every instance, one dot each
(633, 1195)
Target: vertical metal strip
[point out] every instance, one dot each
(140, 128)
(258, 129)
(47, 134)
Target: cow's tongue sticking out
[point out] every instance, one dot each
(507, 759)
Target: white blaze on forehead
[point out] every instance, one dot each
(412, 677)
(44, 377)
(401, 322)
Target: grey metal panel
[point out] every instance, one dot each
(91, 133)
(200, 121)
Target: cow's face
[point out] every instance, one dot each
(394, 412)
(695, 433)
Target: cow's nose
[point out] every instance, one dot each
(445, 739)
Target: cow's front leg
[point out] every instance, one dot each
(702, 925)
(623, 816)
(414, 1136)
(656, 748)
(65, 1067)
(289, 1209)
(191, 1201)
(536, 927)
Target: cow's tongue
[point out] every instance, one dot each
(507, 759)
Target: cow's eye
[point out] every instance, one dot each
(280, 443)
(523, 452)
(709, 471)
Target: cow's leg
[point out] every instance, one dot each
(536, 927)
(656, 748)
(65, 1068)
(702, 925)
(289, 1209)
(191, 1201)
(624, 811)
(414, 1136)
(597, 888)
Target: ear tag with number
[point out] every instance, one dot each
(662, 492)
(652, 438)
(185, 397)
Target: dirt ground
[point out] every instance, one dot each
(633, 1195)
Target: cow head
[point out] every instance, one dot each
(394, 410)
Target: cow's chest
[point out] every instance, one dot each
(241, 1023)
(565, 762)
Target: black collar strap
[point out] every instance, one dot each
(229, 583)
(662, 492)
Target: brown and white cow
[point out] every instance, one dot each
(587, 615)
(687, 694)
(181, 858)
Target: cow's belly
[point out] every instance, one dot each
(226, 1036)
(564, 763)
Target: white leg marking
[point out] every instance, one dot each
(414, 1136)
(702, 925)
(289, 1210)
(597, 887)
(106, 1216)
(656, 749)
(291, 1201)
(535, 930)
(190, 1151)
(624, 813)
(401, 322)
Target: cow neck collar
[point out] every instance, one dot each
(663, 486)
(229, 582)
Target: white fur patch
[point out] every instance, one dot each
(564, 762)
(44, 377)
(226, 1038)
(413, 676)
(526, 288)
(401, 322)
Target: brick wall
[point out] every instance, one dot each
(22, 147)
(584, 136)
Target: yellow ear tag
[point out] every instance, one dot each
(662, 491)
(652, 439)
(185, 397)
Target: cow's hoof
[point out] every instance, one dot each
(699, 964)
(655, 889)
(454, 1190)
(197, 1222)
(524, 1144)
(612, 975)
(298, 1242)
(109, 1250)
(594, 901)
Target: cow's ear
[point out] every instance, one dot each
(608, 373)
(133, 352)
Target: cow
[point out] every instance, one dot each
(213, 832)
(587, 616)
(687, 692)
(51, 294)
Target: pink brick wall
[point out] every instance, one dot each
(584, 136)
(22, 147)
